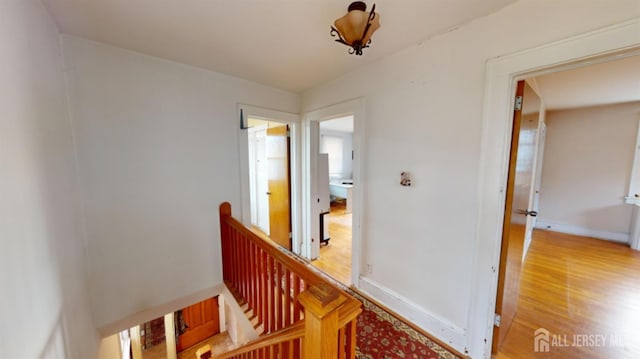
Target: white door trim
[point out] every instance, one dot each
(353, 107)
(293, 120)
(501, 73)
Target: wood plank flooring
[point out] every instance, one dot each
(220, 343)
(335, 258)
(585, 292)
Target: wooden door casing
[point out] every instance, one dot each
(202, 320)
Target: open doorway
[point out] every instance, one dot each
(269, 174)
(332, 189)
(197, 328)
(270, 179)
(335, 189)
(567, 270)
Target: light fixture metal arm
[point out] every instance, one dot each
(356, 46)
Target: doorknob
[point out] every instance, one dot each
(527, 212)
(268, 193)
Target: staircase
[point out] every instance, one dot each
(299, 313)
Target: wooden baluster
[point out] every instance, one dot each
(272, 295)
(254, 279)
(321, 304)
(236, 260)
(287, 298)
(260, 286)
(341, 343)
(278, 296)
(296, 292)
(351, 339)
(245, 268)
(241, 263)
(225, 212)
(263, 290)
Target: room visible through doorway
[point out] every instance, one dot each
(270, 179)
(576, 209)
(335, 191)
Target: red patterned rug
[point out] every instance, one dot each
(381, 335)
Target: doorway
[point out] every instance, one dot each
(270, 179)
(335, 189)
(574, 251)
(620, 40)
(332, 189)
(269, 174)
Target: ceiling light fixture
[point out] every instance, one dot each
(356, 27)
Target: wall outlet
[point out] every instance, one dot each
(369, 268)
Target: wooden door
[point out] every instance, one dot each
(521, 170)
(537, 176)
(278, 148)
(202, 320)
(529, 162)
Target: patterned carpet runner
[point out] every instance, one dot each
(381, 335)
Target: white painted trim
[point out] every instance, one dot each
(501, 74)
(170, 336)
(634, 187)
(136, 346)
(293, 120)
(430, 322)
(355, 107)
(632, 200)
(634, 228)
(583, 231)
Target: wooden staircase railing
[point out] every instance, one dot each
(301, 314)
(286, 343)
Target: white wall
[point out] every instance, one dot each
(585, 175)
(423, 115)
(44, 301)
(347, 149)
(158, 152)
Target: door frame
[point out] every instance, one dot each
(255, 212)
(502, 73)
(245, 111)
(355, 108)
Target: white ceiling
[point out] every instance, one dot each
(610, 82)
(281, 43)
(341, 124)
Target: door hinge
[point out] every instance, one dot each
(518, 103)
(496, 320)
(290, 235)
(288, 133)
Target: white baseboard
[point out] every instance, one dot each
(440, 328)
(583, 231)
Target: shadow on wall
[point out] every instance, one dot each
(56, 344)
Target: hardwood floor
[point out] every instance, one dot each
(220, 343)
(335, 258)
(585, 292)
(158, 351)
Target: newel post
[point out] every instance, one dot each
(321, 304)
(225, 210)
